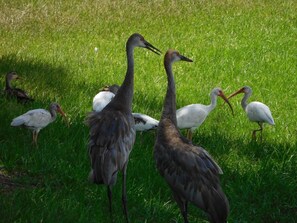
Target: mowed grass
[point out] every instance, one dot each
(233, 43)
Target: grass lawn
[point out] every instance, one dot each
(232, 43)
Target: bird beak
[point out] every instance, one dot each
(64, 115)
(152, 48)
(237, 92)
(226, 100)
(185, 58)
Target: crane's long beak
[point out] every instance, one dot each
(227, 101)
(185, 58)
(152, 48)
(237, 92)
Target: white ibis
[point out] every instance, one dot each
(104, 97)
(192, 116)
(37, 119)
(190, 171)
(18, 93)
(256, 111)
(144, 122)
(112, 131)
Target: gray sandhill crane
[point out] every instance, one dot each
(104, 97)
(190, 171)
(112, 131)
(37, 119)
(17, 93)
(192, 116)
(256, 111)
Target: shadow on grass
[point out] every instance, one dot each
(42, 79)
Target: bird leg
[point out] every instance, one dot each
(109, 194)
(254, 132)
(35, 134)
(124, 192)
(189, 134)
(183, 206)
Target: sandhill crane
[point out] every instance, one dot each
(112, 131)
(18, 93)
(37, 119)
(192, 116)
(190, 171)
(256, 111)
(104, 97)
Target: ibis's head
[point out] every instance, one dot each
(244, 90)
(55, 106)
(173, 55)
(138, 40)
(12, 76)
(219, 92)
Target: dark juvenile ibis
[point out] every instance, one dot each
(190, 171)
(18, 93)
(112, 131)
(192, 116)
(256, 111)
(37, 119)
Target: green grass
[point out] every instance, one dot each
(233, 43)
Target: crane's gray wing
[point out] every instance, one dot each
(193, 175)
(112, 135)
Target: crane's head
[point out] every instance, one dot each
(173, 55)
(219, 92)
(138, 40)
(12, 76)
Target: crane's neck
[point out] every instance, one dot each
(244, 100)
(169, 109)
(124, 96)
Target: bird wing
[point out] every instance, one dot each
(191, 116)
(112, 135)
(259, 112)
(37, 118)
(101, 100)
(192, 174)
(21, 94)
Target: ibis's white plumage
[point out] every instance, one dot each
(104, 97)
(192, 116)
(144, 122)
(259, 112)
(256, 111)
(37, 119)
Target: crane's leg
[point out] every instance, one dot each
(124, 192)
(109, 194)
(183, 206)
